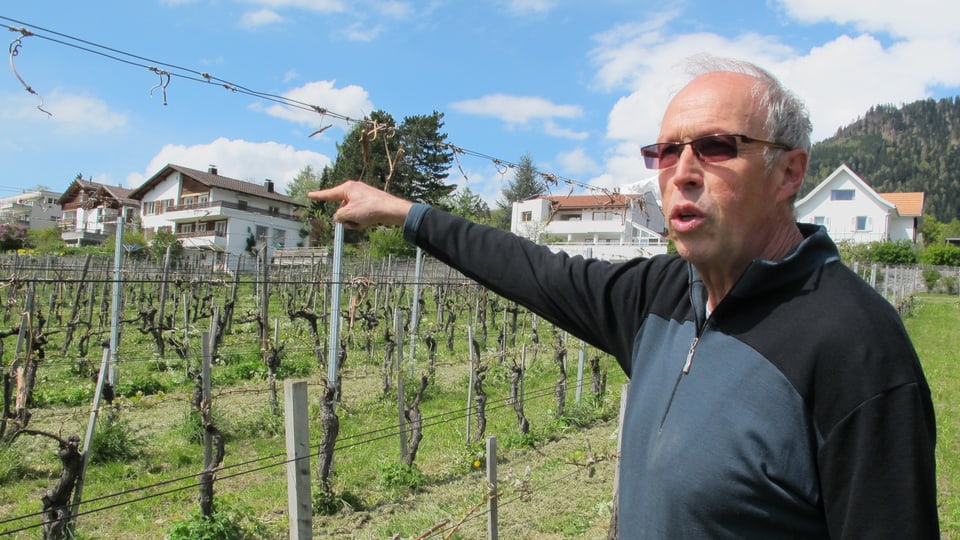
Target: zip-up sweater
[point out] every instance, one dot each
(796, 409)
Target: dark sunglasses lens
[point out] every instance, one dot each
(716, 148)
(661, 155)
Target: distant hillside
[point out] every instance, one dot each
(915, 147)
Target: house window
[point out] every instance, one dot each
(261, 234)
(862, 223)
(279, 238)
(220, 228)
(274, 210)
(841, 195)
(202, 226)
(186, 228)
(526, 216)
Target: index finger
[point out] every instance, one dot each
(335, 193)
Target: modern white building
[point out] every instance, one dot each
(217, 215)
(852, 211)
(35, 209)
(603, 226)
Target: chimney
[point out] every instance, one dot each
(268, 185)
(212, 169)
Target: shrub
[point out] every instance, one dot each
(386, 241)
(945, 255)
(224, 524)
(899, 252)
(114, 441)
(950, 284)
(399, 477)
(930, 278)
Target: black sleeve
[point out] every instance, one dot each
(878, 469)
(597, 301)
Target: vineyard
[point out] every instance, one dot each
(428, 367)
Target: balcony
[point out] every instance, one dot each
(203, 240)
(193, 212)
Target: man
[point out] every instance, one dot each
(773, 393)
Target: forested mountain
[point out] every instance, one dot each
(914, 147)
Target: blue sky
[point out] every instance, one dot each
(577, 85)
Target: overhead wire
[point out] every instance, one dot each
(173, 70)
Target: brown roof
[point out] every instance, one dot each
(908, 204)
(79, 185)
(215, 180)
(599, 200)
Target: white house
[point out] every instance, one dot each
(852, 211)
(35, 209)
(90, 211)
(604, 226)
(215, 214)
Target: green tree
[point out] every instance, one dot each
(410, 160)
(950, 230)
(158, 246)
(526, 184)
(932, 230)
(465, 203)
(46, 240)
(421, 171)
(134, 244)
(307, 180)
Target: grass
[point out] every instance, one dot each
(933, 328)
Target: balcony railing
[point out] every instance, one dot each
(211, 205)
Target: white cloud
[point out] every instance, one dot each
(358, 31)
(319, 6)
(395, 10)
(516, 109)
(551, 128)
(260, 17)
(527, 7)
(243, 160)
(838, 79)
(351, 101)
(576, 163)
(918, 19)
(71, 114)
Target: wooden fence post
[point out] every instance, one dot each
(492, 524)
(615, 511)
(299, 504)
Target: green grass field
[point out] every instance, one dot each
(934, 329)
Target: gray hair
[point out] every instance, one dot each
(787, 120)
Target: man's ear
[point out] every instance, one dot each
(793, 166)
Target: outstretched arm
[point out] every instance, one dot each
(362, 205)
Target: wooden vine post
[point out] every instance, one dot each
(298, 459)
(213, 444)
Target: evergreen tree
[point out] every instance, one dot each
(526, 184)
(425, 160)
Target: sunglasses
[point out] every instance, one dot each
(709, 149)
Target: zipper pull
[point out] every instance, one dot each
(689, 362)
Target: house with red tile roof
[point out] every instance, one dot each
(610, 226)
(852, 211)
